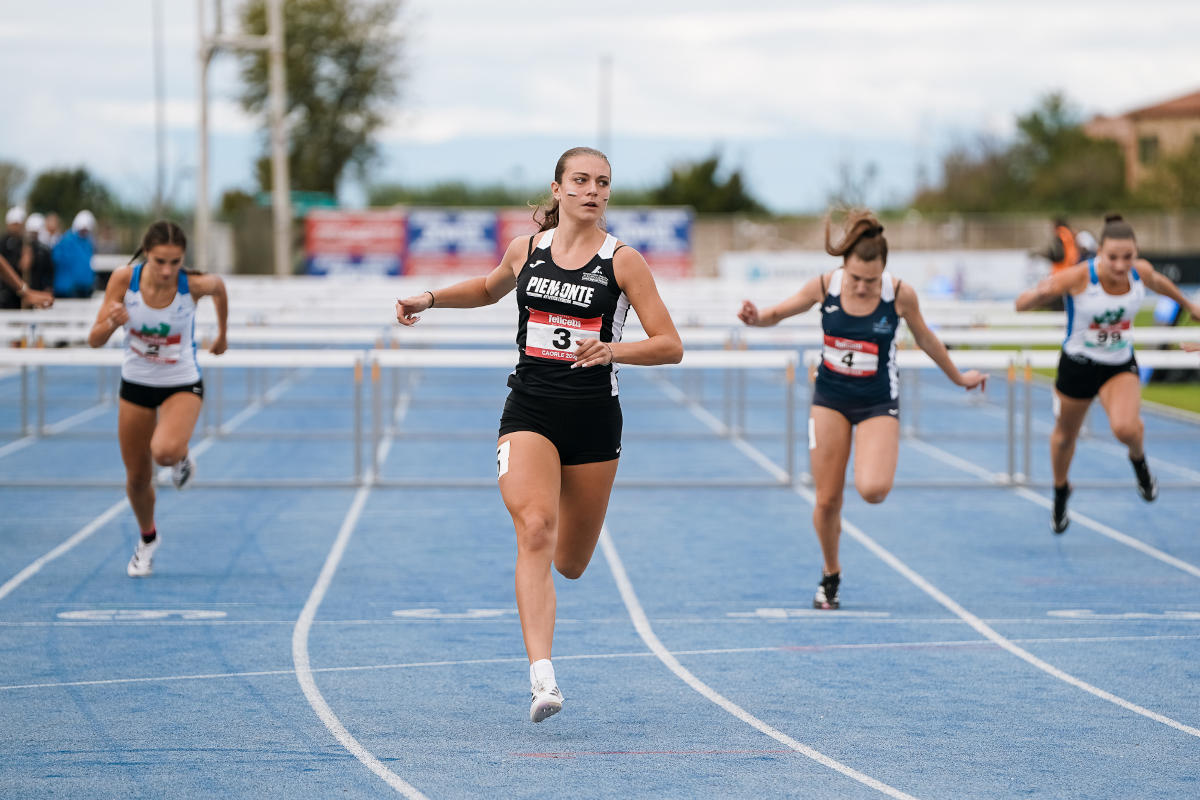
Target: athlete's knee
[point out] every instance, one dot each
(874, 492)
(138, 480)
(571, 570)
(827, 506)
(166, 454)
(536, 530)
(1127, 431)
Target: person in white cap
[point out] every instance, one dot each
(73, 276)
(14, 251)
(41, 265)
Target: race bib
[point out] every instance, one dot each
(850, 356)
(554, 336)
(1107, 337)
(159, 349)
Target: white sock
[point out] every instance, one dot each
(542, 671)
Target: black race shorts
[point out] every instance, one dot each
(583, 431)
(155, 396)
(1081, 378)
(855, 412)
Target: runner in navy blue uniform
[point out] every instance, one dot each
(560, 432)
(857, 383)
(1103, 294)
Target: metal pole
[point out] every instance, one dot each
(741, 401)
(218, 399)
(24, 400)
(202, 58)
(41, 398)
(1028, 469)
(281, 207)
(789, 389)
(1012, 423)
(376, 417)
(358, 376)
(100, 393)
(727, 401)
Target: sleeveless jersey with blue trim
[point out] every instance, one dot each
(160, 345)
(556, 308)
(1099, 324)
(858, 359)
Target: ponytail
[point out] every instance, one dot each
(863, 237)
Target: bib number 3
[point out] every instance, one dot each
(554, 336)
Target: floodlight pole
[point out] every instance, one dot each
(281, 207)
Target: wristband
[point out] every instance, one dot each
(432, 299)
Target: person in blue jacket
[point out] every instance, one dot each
(73, 276)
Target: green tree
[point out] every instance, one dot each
(69, 191)
(696, 184)
(1173, 184)
(12, 176)
(451, 193)
(342, 75)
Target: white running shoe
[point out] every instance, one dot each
(142, 563)
(547, 701)
(182, 472)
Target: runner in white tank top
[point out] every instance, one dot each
(559, 443)
(161, 391)
(1103, 295)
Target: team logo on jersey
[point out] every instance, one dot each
(596, 276)
(534, 264)
(882, 326)
(563, 292)
(162, 330)
(830, 309)
(1109, 317)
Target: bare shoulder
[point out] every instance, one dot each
(630, 265)
(205, 283)
(1143, 266)
(120, 278)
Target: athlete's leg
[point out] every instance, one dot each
(876, 450)
(828, 454)
(1121, 396)
(1071, 413)
(176, 420)
(135, 428)
(530, 485)
(581, 508)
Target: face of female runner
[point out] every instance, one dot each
(163, 263)
(584, 190)
(863, 279)
(1118, 256)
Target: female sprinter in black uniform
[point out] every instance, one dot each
(560, 432)
(857, 383)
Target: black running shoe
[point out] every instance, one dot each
(1059, 519)
(1147, 486)
(827, 592)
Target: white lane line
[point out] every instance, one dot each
(642, 625)
(107, 515)
(304, 671)
(57, 427)
(713, 651)
(983, 628)
(1033, 497)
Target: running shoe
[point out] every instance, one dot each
(827, 592)
(1147, 486)
(182, 472)
(142, 563)
(1058, 518)
(547, 701)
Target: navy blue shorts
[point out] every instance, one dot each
(856, 413)
(583, 431)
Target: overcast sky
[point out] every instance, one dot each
(784, 90)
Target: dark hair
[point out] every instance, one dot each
(863, 237)
(546, 216)
(1115, 227)
(162, 232)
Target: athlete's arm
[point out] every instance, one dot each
(113, 313)
(473, 292)
(1065, 281)
(1157, 282)
(661, 345)
(13, 279)
(809, 295)
(213, 286)
(908, 307)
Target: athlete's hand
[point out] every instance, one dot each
(116, 314)
(1191, 347)
(972, 378)
(748, 313)
(408, 308)
(592, 353)
(219, 345)
(35, 299)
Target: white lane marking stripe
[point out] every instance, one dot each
(717, 651)
(642, 625)
(106, 516)
(1087, 522)
(975, 622)
(304, 671)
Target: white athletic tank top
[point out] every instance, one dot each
(1099, 324)
(160, 348)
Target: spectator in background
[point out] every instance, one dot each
(51, 232)
(15, 252)
(1086, 244)
(1061, 253)
(41, 266)
(73, 276)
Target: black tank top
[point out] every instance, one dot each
(556, 308)
(858, 363)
